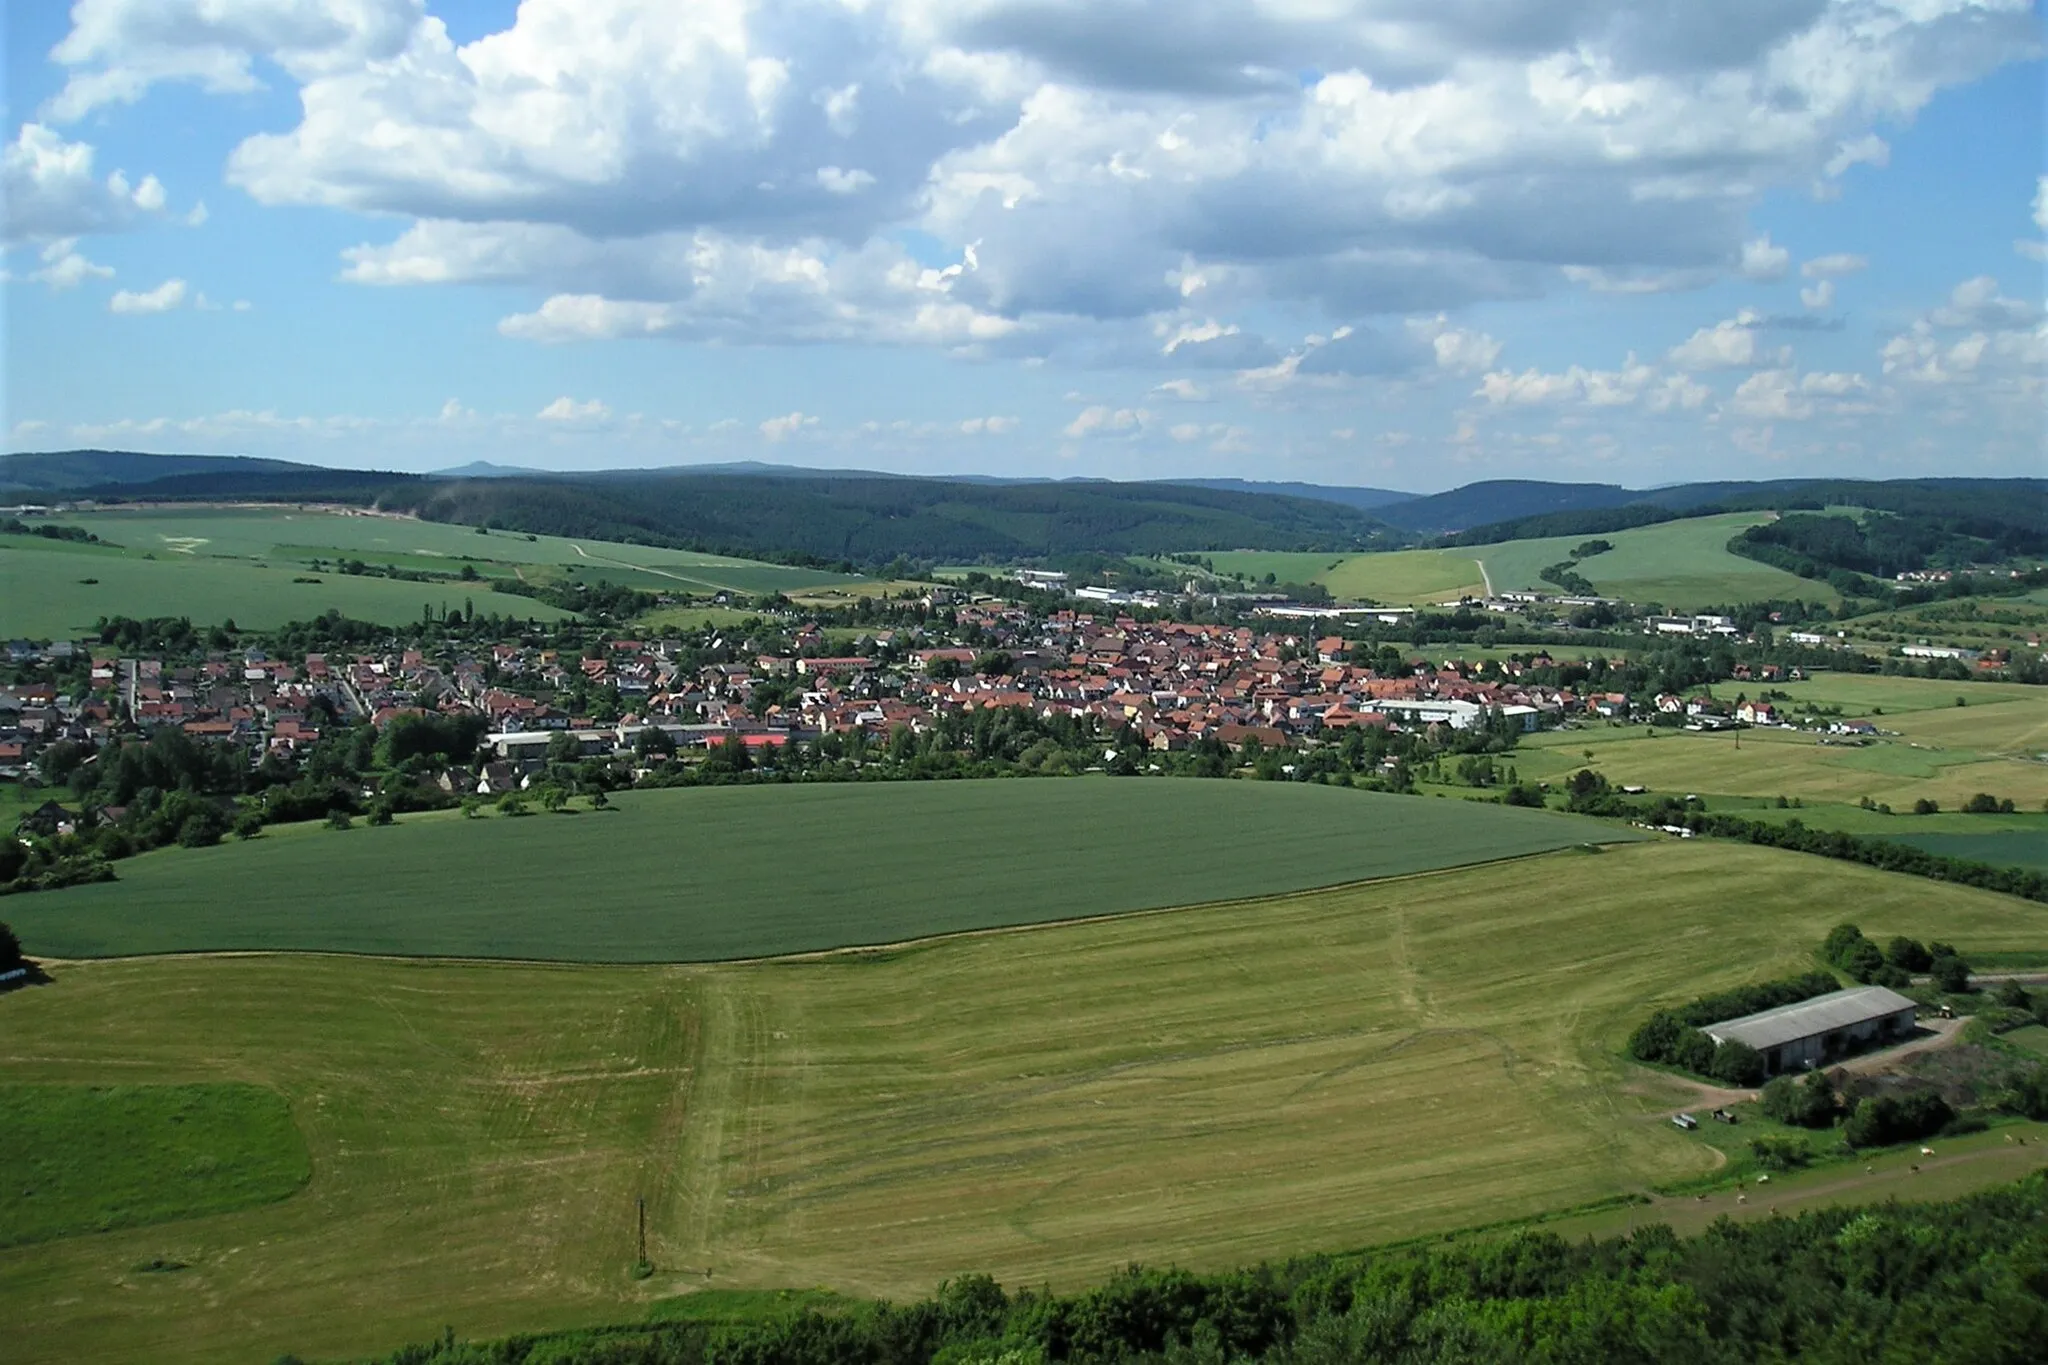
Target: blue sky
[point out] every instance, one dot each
(1387, 242)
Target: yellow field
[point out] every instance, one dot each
(1204, 1087)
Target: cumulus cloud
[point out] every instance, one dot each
(1633, 384)
(64, 267)
(1727, 345)
(1101, 420)
(1764, 262)
(567, 409)
(1114, 166)
(161, 299)
(1818, 295)
(788, 425)
(52, 192)
(988, 426)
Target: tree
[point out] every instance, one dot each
(248, 824)
(563, 748)
(340, 820)
(1807, 1103)
(1736, 1063)
(511, 804)
(10, 949)
(553, 798)
(1908, 954)
(1952, 974)
(2014, 996)
(599, 801)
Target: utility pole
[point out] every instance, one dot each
(640, 1202)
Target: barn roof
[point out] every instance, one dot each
(1822, 1014)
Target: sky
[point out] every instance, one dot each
(1397, 243)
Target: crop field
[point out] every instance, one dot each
(2006, 848)
(1683, 564)
(1391, 576)
(1202, 1088)
(1772, 763)
(719, 873)
(84, 1158)
(239, 563)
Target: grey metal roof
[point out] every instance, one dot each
(1822, 1014)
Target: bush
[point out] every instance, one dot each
(340, 820)
(10, 949)
(1926, 807)
(1882, 1121)
(1952, 974)
(380, 812)
(1908, 954)
(2014, 996)
(1807, 1103)
(1780, 1151)
(1736, 1063)
(201, 829)
(248, 824)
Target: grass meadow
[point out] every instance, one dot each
(89, 1158)
(213, 564)
(1937, 750)
(1683, 564)
(1205, 1088)
(720, 873)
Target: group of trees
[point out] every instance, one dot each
(1674, 1037)
(1932, 1284)
(1896, 963)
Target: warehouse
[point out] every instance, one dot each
(1817, 1031)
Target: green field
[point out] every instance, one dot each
(238, 563)
(1204, 1088)
(1685, 565)
(718, 873)
(90, 1158)
(2011, 848)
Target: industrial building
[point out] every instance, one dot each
(1817, 1031)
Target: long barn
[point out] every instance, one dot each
(1814, 1032)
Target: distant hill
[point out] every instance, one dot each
(79, 469)
(1365, 499)
(1498, 500)
(870, 520)
(484, 469)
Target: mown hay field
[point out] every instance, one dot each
(719, 873)
(1685, 565)
(1205, 1087)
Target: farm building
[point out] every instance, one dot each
(1795, 1037)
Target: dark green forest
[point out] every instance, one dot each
(1963, 1282)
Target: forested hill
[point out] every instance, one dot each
(873, 520)
(51, 471)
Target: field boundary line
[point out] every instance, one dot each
(851, 949)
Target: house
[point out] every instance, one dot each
(1814, 1032)
(1757, 713)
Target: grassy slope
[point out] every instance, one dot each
(694, 875)
(79, 1158)
(214, 563)
(1941, 750)
(1204, 1088)
(42, 595)
(1683, 564)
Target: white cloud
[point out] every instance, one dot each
(1834, 266)
(1728, 344)
(1111, 162)
(1820, 295)
(789, 424)
(48, 190)
(1632, 384)
(1977, 303)
(161, 299)
(1101, 420)
(1764, 262)
(1183, 390)
(567, 409)
(63, 266)
(198, 216)
(988, 426)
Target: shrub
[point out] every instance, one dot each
(340, 820)
(1736, 1063)
(1952, 974)
(1908, 954)
(10, 949)
(1807, 1103)
(1884, 1120)
(1926, 807)
(248, 824)
(1780, 1151)
(2014, 996)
